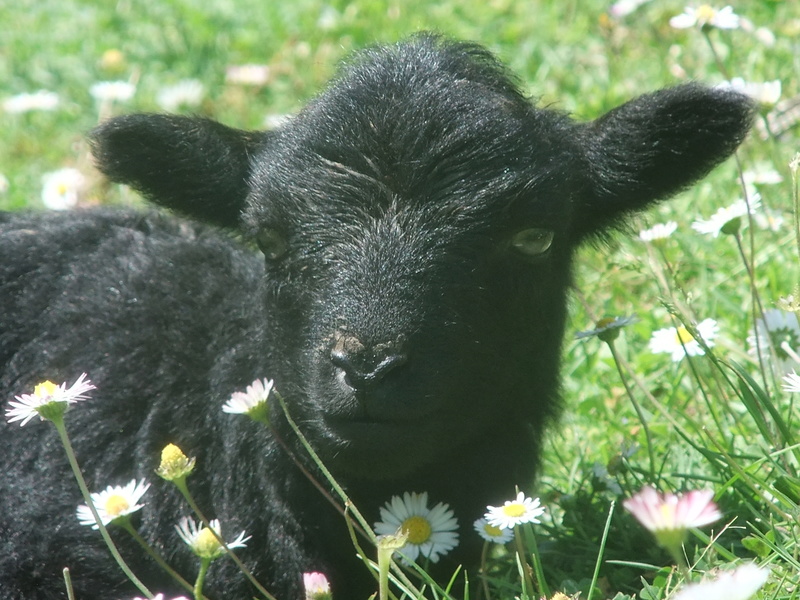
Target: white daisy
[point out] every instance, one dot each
(202, 540)
(740, 584)
(515, 512)
(111, 91)
(251, 402)
(706, 16)
(769, 219)
(61, 188)
(779, 332)
(791, 383)
(247, 74)
(163, 597)
(113, 503)
(431, 531)
(658, 231)
(491, 533)
(768, 92)
(186, 93)
(727, 219)
(607, 329)
(762, 173)
(47, 396)
(678, 342)
(22, 103)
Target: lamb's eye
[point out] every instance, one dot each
(272, 244)
(532, 242)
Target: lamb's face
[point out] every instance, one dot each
(417, 221)
(414, 287)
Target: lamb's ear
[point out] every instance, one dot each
(195, 166)
(656, 145)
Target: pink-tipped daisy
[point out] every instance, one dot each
(669, 516)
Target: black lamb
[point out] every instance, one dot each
(416, 225)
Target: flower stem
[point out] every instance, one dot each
(315, 457)
(637, 408)
(201, 578)
(73, 463)
(68, 584)
(126, 525)
(180, 483)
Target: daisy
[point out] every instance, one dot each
(247, 74)
(623, 8)
(727, 219)
(678, 342)
(607, 329)
(61, 188)
(791, 383)
(430, 532)
(779, 332)
(316, 586)
(740, 584)
(175, 465)
(48, 400)
(767, 93)
(252, 402)
(186, 93)
(22, 103)
(202, 540)
(115, 502)
(658, 232)
(492, 533)
(515, 512)
(658, 512)
(705, 16)
(163, 597)
(110, 91)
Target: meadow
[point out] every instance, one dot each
(701, 406)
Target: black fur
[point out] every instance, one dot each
(416, 345)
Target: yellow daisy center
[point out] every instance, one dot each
(206, 544)
(418, 529)
(45, 389)
(682, 335)
(705, 13)
(492, 530)
(116, 505)
(514, 510)
(172, 454)
(605, 322)
(667, 516)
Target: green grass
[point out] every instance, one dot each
(715, 422)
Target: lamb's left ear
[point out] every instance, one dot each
(656, 145)
(196, 166)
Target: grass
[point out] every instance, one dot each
(718, 421)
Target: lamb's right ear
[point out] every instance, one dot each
(193, 165)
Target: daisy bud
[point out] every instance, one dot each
(316, 586)
(174, 463)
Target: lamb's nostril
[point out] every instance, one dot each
(364, 366)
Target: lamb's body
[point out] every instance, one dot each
(418, 222)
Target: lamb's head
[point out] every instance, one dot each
(417, 222)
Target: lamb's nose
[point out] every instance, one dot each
(365, 366)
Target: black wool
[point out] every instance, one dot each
(417, 223)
